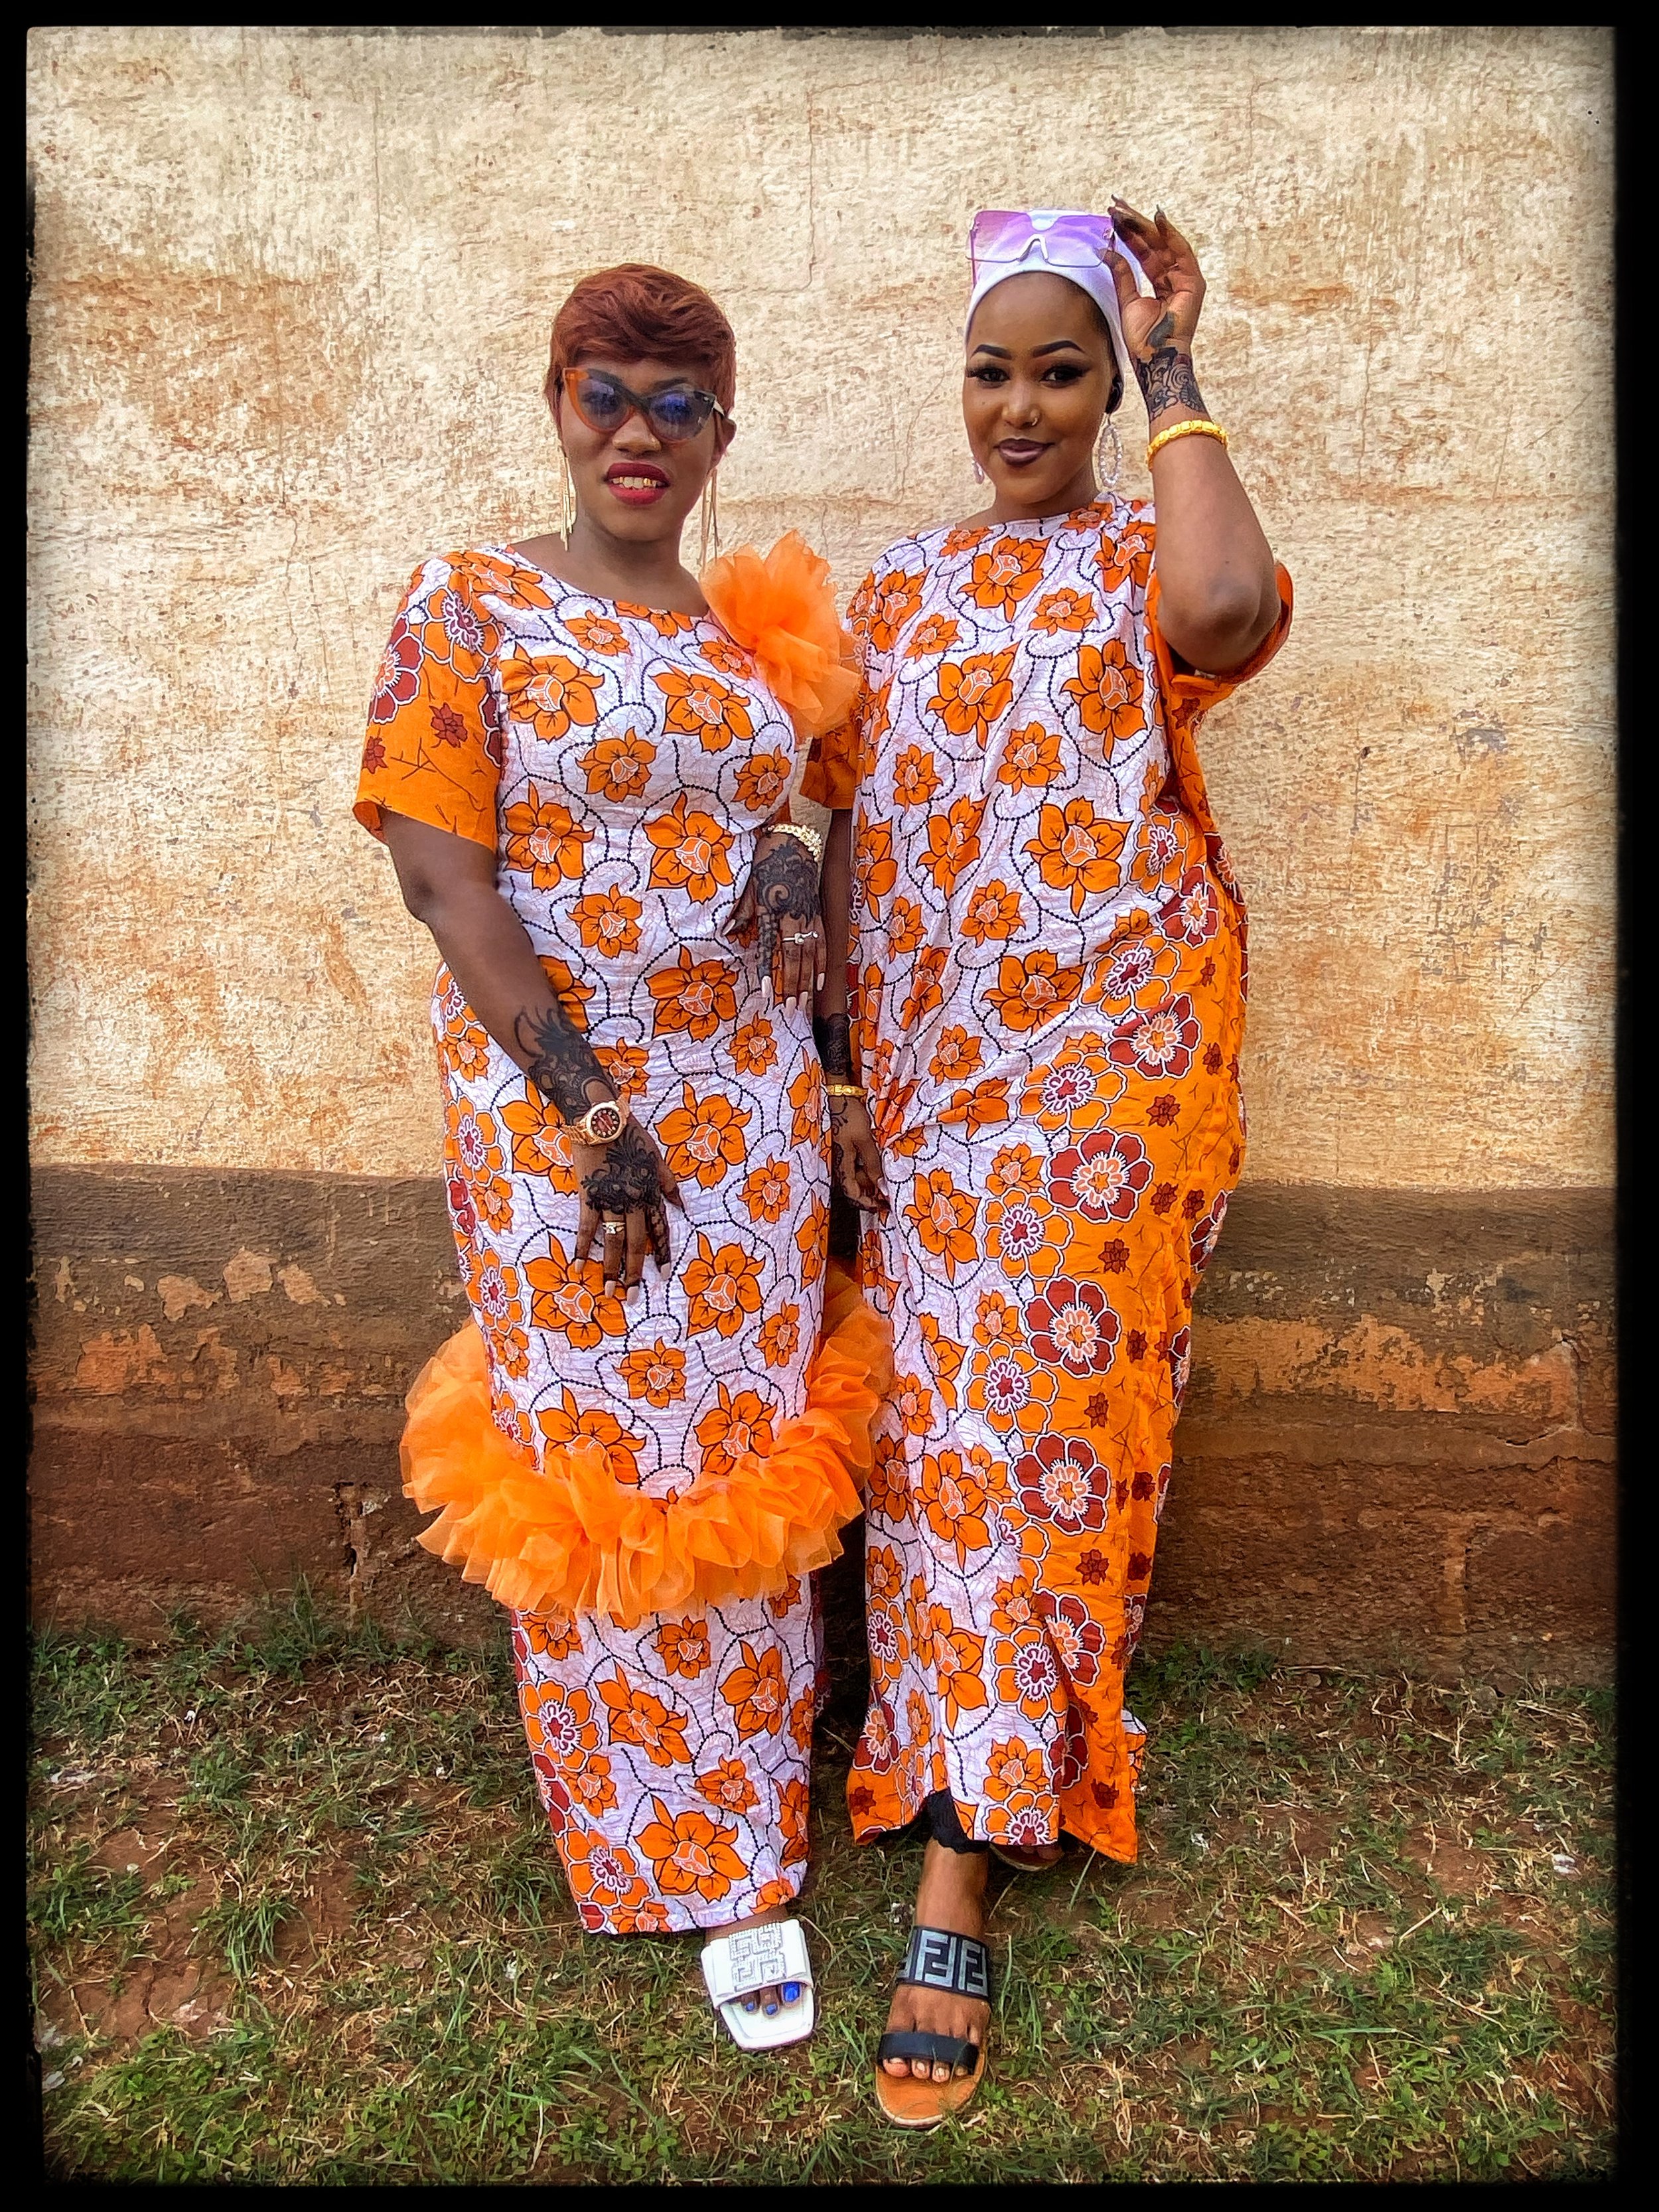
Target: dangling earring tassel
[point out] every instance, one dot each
(979, 473)
(567, 497)
(709, 522)
(1108, 441)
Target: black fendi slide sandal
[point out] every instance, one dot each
(961, 1966)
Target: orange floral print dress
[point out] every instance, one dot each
(616, 762)
(1047, 1001)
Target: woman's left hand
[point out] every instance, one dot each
(781, 897)
(1169, 317)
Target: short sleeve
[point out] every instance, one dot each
(434, 750)
(1189, 692)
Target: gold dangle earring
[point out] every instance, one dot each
(708, 522)
(1108, 442)
(567, 496)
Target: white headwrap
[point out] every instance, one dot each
(1095, 279)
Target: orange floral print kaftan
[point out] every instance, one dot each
(1047, 993)
(646, 1486)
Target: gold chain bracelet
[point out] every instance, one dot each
(1197, 426)
(813, 839)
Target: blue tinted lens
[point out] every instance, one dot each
(679, 414)
(602, 403)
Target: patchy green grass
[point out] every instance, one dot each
(297, 1920)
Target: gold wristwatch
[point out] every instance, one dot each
(601, 1125)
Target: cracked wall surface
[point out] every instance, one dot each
(290, 322)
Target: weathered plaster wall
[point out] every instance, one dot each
(291, 301)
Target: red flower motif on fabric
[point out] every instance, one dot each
(1205, 1231)
(1102, 1177)
(1159, 1044)
(1193, 915)
(1072, 1326)
(1078, 1640)
(1061, 1481)
(398, 677)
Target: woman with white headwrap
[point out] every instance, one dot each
(1046, 962)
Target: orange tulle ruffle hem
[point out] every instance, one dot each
(781, 609)
(570, 1534)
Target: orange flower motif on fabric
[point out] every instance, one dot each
(664, 620)
(890, 605)
(552, 1635)
(1031, 991)
(1014, 1606)
(1110, 692)
(992, 911)
(552, 695)
(608, 922)
(682, 1647)
(726, 659)
(904, 927)
(641, 1718)
(973, 692)
(571, 996)
(703, 1136)
(541, 1143)
(1058, 610)
(938, 634)
(955, 1055)
(618, 768)
(957, 1658)
(953, 1502)
(913, 1401)
(963, 538)
(1028, 1675)
(1005, 574)
(465, 1046)
(803, 1718)
(694, 996)
(944, 1220)
(598, 633)
(657, 1376)
(650, 1919)
(927, 985)
(979, 1105)
(1075, 1090)
(1025, 1235)
(563, 1423)
(996, 1320)
(1016, 1168)
(570, 1298)
(806, 1096)
(730, 1785)
(1014, 1768)
(813, 1242)
(755, 1047)
(504, 578)
(557, 1721)
(1124, 558)
(794, 1818)
(915, 776)
(691, 852)
(702, 707)
(952, 843)
(1075, 849)
(763, 780)
(589, 1783)
(888, 1490)
(627, 1066)
(689, 1851)
(947, 1356)
(1030, 758)
(493, 1292)
(739, 1424)
(722, 1288)
(756, 1692)
(601, 1872)
(779, 1336)
(1011, 1389)
(874, 869)
(471, 1146)
(765, 1191)
(545, 840)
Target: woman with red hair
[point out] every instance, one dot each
(580, 756)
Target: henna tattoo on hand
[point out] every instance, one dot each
(627, 1182)
(834, 1036)
(563, 1063)
(1166, 378)
(784, 884)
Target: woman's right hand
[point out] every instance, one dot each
(630, 1183)
(858, 1156)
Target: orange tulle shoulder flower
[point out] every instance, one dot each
(782, 609)
(568, 1534)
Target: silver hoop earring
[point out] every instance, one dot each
(979, 474)
(709, 522)
(1108, 441)
(567, 497)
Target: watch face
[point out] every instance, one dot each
(604, 1122)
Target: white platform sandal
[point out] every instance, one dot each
(734, 1967)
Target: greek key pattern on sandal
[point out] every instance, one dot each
(938, 1960)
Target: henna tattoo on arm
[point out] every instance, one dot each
(1166, 377)
(834, 1036)
(785, 883)
(562, 1063)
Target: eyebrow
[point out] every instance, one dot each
(1054, 345)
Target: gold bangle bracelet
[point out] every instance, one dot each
(799, 831)
(843, 1089)
(1197, 426)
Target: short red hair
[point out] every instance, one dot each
(639, 311)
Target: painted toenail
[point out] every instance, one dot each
(749, 2004)
(770, 2010)
(791, 1992)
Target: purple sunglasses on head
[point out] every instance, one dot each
(1067, 238)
